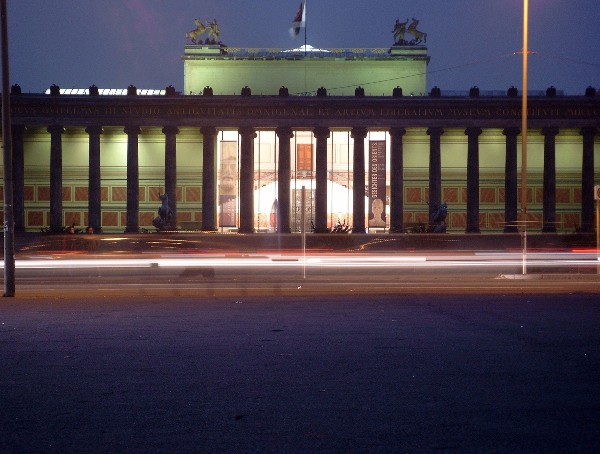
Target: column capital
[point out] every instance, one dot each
(322, 132)
(132, 130)
(397, 132)
(284, 132)
(588, 131)
(359, 133)
(94, 130)
(512, 131)
(55, 129)
(168, 130)
(208, 131)
(550, 131)
(473, 131)
(19, 129)
(247, 131)
(435, 131)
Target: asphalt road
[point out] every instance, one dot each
(293, 275)
(383, 373)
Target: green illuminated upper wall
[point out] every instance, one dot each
(378, 73)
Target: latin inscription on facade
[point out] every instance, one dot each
(152, 112)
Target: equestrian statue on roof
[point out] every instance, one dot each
(211, 29)
(402, 28)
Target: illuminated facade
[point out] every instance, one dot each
(234, 151)
(305, 69)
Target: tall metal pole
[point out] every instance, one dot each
(597, 192)
(524, 108)
(303, 229)
(304, 20)
(9, 223)
(524, 131)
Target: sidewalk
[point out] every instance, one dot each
(28, 243)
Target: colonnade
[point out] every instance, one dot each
(321, 134)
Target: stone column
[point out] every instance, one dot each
(587, 180)
(209, 179)
(94, 180)
(397, 180)
(170, 133)
(473, 180)
(321, 134)
(284, 174)
(56, 215)
(18, 132)
(549, 215)
(133, 179)
(358, 191)
(247, 180)
(435, 169)
(510, 181)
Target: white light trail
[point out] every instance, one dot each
(469, 260)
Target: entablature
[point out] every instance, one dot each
(299, 111)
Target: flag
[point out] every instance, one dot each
(299, 20)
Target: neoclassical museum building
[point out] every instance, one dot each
(354, 130)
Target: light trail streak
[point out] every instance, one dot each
(488, 260)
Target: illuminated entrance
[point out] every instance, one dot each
(339, 180)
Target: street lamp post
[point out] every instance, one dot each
(524, 109)
(524, 132)
(9, 246)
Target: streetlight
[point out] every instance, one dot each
(9, 241)
(524, 131)
(524, 109)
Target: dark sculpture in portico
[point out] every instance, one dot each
(165, 218)
(437, 219)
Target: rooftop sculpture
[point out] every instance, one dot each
(211, 29)
(402, 28)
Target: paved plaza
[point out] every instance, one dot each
(403, 373)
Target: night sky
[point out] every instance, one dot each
(115, 43)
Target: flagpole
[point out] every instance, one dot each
(305, 27)
(304, 21)
(305, 40)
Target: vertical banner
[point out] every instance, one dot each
(377, 183)
(228, 184)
